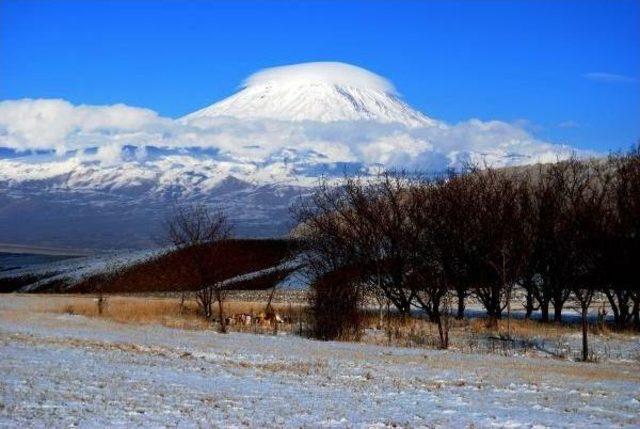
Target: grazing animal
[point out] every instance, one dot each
(243, 319)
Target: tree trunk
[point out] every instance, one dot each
(585, 331)
(509, 313)
(435, 309)
(402, 305)
(529, 304)
(492, 322)
(460, 313)
(101, 304)
(223, 322)
(405, 310)
(183, 298)
(636, 314)
(625, 314)
(614, 307)
(558, 298)
(443, 333)
(557, 312)
(205, 299)
(622, 305)
(493, 309)
(544, 308)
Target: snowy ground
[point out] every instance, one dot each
(61, 371)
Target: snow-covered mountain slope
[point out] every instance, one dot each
(89, 205)
(106, 176)
(323, 92)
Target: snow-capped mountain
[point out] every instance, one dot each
(323, 92)
(105, 176)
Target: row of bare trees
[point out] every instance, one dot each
(569, 229)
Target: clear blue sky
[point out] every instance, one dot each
(568, 70)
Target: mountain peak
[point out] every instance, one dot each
(320, 91)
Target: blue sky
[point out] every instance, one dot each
(568, 71)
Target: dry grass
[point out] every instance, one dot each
(397, 331)
(465, 335)
(473, 335)
(525, 329)
(165, 311)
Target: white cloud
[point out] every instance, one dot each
(57, 124)
(109, 154)
(334, 73)
(399, 150)
(609, 77)
(568, 124)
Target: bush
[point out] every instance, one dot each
(335, 301)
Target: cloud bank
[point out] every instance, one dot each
(57, 124)
(278, 149)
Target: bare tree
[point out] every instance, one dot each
(623, 246)
(111, 272)
(452, 200)
(556, 187)
(362, 222)
(200, 231)
(588, 223)
(427, 277)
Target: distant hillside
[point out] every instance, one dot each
(245, 264)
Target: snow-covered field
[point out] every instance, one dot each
(61, 370)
